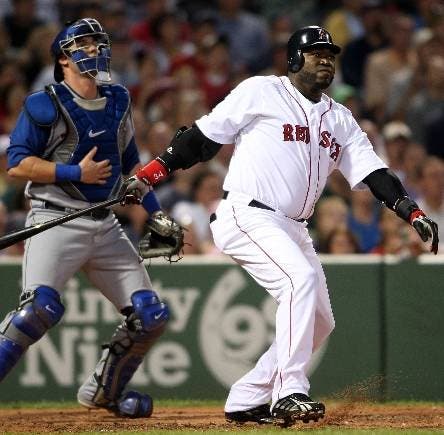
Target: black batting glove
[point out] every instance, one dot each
(408, 210)
(426, 228)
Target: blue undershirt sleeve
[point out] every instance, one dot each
(27, 139)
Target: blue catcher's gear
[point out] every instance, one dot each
(39, 311)
(145, 322)
(41, 108)
(72, 42)
(134, 404)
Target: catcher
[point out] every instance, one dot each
(73, 143)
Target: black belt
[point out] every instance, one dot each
(257, 204)
(99, 214)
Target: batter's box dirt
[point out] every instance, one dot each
(339, 415)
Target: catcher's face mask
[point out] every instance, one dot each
(87, 44)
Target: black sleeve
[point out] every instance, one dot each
(387, 187)
(188, 147)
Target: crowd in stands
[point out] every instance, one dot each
(180, 58)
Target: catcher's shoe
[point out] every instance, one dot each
(260, 414)
(297, 406)
(131, 404)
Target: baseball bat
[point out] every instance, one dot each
(25, 233)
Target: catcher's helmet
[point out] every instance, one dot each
(66, 43)
(305, 39)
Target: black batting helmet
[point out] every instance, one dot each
(305, 39)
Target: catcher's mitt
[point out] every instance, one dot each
(163, 238)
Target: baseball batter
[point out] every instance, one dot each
(73, 142)
(289, 136)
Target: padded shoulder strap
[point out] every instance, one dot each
(41, 108)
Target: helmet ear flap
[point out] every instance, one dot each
(296, 62)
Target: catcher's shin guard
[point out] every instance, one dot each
(38, 311)
(145, 322)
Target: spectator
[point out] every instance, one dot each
(142, 31)
(247, 35)
(330, 214)
(216, 78)
(397, 238)
(342, 241)
(383, 65)
(348, 96)
(14, 100)
(431, 198)
(344, 23)
(191, 105)
(10, 76)
(374, 136)
(5, 43)
(363, 218)
(167, 42)
(178, 188)
(141, 128)
(158, 136)
(279, 65)
(148, 79)
(356, 52)
(338, 186)
(397, 137)
(39, 63)
(425, 113)
(414, 157)
(20, 23)
(203, 34)
(158, 101)
(206, 191)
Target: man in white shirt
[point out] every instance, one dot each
(288, 136)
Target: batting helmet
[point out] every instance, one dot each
(305, 39)
(67, 43)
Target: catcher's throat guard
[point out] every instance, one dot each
(74, 42)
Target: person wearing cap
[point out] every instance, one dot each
(397, 136)
(289, 136)
(74, 143)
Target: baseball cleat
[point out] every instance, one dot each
(260, 414)
(295, 407)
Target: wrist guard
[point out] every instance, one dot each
(404, 207)
(153, 172)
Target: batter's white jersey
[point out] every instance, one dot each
(286, 145)
(285, 148)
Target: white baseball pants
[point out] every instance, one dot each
(278, 253)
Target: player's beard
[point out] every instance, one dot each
(315, 82)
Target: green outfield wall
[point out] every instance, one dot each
(388, 342)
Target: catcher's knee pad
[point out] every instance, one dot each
(147, 313)
(145, 321)
(39, 311)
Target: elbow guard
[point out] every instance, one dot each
(188, 147)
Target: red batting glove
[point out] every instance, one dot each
(152, 173)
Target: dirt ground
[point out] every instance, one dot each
(339, 415)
